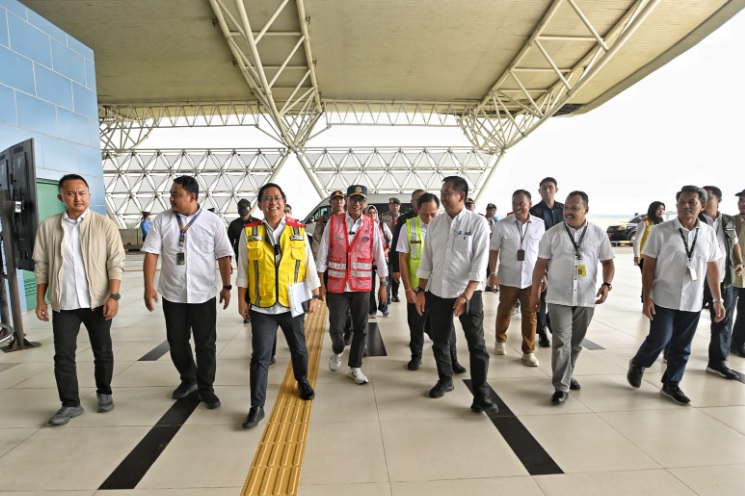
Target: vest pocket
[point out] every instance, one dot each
(297, 249)
(255, 253)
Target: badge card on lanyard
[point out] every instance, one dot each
(180, 257)
(689, 253)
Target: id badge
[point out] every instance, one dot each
(520, 255)
(692, 272)
(180, 260)
(581, 271)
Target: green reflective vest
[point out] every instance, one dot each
(416, 245)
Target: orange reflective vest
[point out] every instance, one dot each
(350, 263)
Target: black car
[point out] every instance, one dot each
(624, 232)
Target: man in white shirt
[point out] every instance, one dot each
(679, 256)
(514, 244)
(79, 257)
(456, 252)
(190, 239)
(569, 253)
(350, 245)
(730, 266)
(273, 255)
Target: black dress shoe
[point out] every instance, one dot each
(414, 363)
(443, 386)
(634, 375)
(183, 390)
(306, 390)
(723, 371)
(395, 299)
(543, 341)
(255, 414)
(574, 385)
(458, 368)
(675, 394)
(559, 397)
(483, 405)
(210, 400)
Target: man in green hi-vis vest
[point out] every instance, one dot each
(409, 248)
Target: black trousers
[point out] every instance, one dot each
(472, 320)
(419, 325)
(65, 328)
(721, 332)
(543, 320)
(339, 305)
(183, 319)
(264, 337)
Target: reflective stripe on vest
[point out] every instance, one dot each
(416, 245)
(268, 281)
(350, 263)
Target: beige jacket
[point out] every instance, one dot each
(103, 256)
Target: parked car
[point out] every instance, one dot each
(621, 233)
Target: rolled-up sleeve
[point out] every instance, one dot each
(223, 248)
(480, 254)
(323, 250)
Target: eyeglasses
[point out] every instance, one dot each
(689, 203)
(358, 200)
(268, 199)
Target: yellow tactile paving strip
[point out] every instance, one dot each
(279, 457)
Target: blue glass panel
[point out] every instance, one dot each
(53, 87)
(29, 41)
(36, 115)
(17, 71)
(68, 63)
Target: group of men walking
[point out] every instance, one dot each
(547, 257)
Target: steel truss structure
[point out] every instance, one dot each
(273, 51)
(141, 179)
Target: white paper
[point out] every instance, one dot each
(298, 294)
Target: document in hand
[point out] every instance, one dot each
(299, 295)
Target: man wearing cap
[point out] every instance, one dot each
(350, 245)
(737, 346)
(338, 205)
(390, 218)
(730, 266)
(470, 204)
(552, 213)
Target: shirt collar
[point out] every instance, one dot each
(75, 221)
(678, 225)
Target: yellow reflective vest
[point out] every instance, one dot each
(416, 246)
(267, 280)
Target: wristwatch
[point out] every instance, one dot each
(227, 286)
(316, 297)
(115, 296)
(418, 290)
(384, 283)
(610, 286)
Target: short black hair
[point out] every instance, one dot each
(428, 197)
(413, 193)
(522, 192)
(459, 184)
(189, 183)
(260, 196)
(702, 194)
(548, 179)
(70, 177)
(581, 194)
(714, 191)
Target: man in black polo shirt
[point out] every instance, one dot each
(552, 212)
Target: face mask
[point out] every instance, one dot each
(243, 212)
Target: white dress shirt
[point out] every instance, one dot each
(456, 251)
(75, 292)
(205, 241)
(510, 235)
(402, 246)
(565, 284)
(672, 286)
(311, 276)
(352, 227)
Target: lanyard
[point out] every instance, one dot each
(689, 253)
(574, 243)
(521, 232)
(183, 228)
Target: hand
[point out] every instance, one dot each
(150, 296)
(648, 308)
(110, 308)
(225, 297)
(459, 308)
(410, 296)
(42, 312)
(636, 260)
(720, 311)
(396, 277)
(494, 281)
(243, 309)
(738, 270)
(420, 302)
(602, 294)
(535, 302)
(322, 292)
(383, 295)
(315, 304)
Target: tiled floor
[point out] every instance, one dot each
(387, 438)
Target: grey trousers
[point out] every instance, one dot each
(569, 326)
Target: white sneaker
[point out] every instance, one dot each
(500, 349)
(530, 360)
(355, 373)
(335, 362)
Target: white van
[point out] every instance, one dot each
(380, 202)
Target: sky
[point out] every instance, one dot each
(680, 125)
